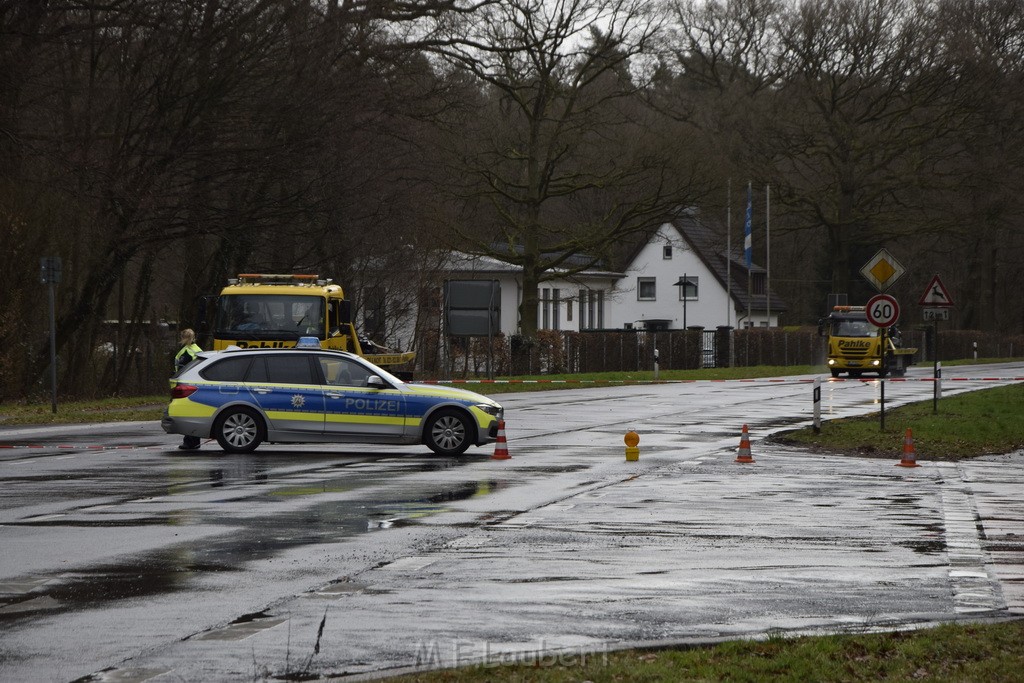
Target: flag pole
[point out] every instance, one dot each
(768, 253)
(728, 254)
(748, 247)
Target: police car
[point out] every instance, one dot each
(244, 397)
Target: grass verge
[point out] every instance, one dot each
(120, 409)
(952, 652)
(966, 425)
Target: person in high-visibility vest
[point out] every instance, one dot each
(188, 353)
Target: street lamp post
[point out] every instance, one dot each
(683, 282)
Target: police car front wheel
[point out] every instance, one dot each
(239, 430)
(449, 432)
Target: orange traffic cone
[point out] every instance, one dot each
(744, 452)
(909, 455)
(500, 448)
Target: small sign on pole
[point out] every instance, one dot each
(937, 303)
(50, 270)
(882, 311)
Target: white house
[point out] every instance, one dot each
(568, 302)
(680, 277)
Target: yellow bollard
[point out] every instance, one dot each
(632, 439)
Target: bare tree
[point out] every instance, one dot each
(558, 159)
(983, 166)
(176, 141)
(848, 108)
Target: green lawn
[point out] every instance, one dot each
(953, 652)
(966, 425)
(122, 409)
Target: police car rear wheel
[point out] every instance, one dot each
(239, 430)
(448, 433)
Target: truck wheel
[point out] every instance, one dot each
(835, 373)
(448, 432)
(239, 430)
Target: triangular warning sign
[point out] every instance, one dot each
(936, 295)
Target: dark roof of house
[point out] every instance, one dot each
(466, 262)
(713, 248)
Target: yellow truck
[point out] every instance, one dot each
(275, 310)
(855, 345)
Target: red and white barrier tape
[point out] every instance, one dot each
(776, 380)
(77, 447)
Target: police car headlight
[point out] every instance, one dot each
(490, 409)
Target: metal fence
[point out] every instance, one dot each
(143, 367)
(557, 352)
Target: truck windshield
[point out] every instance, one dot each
(853, 328)
(269, 316)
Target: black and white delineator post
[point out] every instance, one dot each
(817, 405)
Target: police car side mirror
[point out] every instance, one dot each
(374, 382)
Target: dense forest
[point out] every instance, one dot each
(158, 147)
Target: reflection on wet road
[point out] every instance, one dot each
(225, 492)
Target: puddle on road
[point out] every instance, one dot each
(554, 469)
(173, 568)
(926, 547)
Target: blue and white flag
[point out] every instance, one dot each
(748, 242)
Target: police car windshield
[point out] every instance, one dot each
(269, 316)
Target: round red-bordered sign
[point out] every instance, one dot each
(882, 310)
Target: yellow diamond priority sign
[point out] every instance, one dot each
(882, 270)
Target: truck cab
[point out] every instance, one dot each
(274, 310)
(855, 345)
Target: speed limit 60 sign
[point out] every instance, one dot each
(882, 310)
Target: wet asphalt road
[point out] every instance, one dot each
(125, 559)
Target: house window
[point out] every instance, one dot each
(666, 252)
(556, 308)
(568, 310)
(688, 291)
(646, 289)
(591, 309)
(545, 305)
